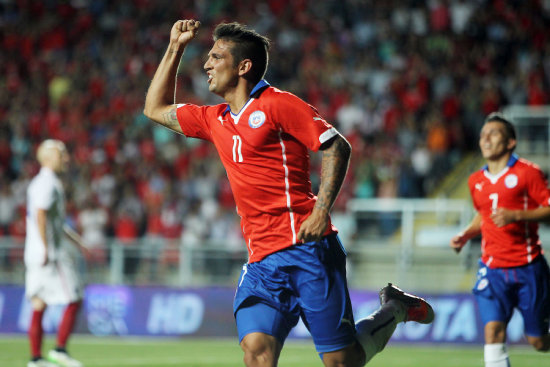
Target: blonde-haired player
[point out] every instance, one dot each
(50, 273)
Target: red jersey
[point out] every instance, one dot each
(265, 151)
(520, 186)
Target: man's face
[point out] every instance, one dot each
(60, 160)
(493, 141)
(222, 73)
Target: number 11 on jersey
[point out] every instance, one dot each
(237, 146)
(494, 199)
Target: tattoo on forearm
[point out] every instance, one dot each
(321, 205)
(170, 118)
(333, 171)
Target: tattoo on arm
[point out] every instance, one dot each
(170, 118)
(334, 167)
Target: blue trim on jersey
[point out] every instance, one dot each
(261, 84)
(511, 161)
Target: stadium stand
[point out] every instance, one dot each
(407, 82)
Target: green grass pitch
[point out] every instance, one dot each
(121, 352)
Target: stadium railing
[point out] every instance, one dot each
(404, 241)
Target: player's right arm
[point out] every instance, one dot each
(41, 220)
(159, 102)
(472, 230)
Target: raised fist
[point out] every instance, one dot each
(184, 31)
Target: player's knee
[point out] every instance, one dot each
(259, 351)
(541, 344)
(38, 304)
(352, 356)
(495, 332)
(258, 357)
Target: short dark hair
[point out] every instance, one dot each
(248, 44)
(499, 117)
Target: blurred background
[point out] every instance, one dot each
(407, 82)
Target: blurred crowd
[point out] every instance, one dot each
(407, 82)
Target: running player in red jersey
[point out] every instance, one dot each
(296, 265)
(510, 195)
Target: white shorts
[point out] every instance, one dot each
(56, 283)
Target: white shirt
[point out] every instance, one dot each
(44, 192)
(93, 221)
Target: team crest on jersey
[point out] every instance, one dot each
(511, 181)
(256, 119)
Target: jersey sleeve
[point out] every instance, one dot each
(193, 120)
(43, 194)
(303, 122)
(471, 187)
(537, 186)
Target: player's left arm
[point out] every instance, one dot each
(334, 165)
(76, 239)
(537, 189)
(502, 217)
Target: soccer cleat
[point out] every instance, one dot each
(417, 308)
(41, 363)
(63, 359)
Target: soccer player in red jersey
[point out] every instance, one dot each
(510, 196)
(296, 265)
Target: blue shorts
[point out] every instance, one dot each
(305, 280)
(527, 288)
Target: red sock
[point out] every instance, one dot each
(35, 333)
(67, 323)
